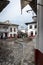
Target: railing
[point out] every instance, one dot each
(3, 30)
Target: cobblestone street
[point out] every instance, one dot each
(28, 52)
(16, 52)
(10, 53)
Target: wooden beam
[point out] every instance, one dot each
(3, 4)
(32, 3)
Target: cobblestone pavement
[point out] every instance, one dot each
(17, 52)
(28, 52)
(11, 53)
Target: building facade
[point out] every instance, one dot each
(23, 30)
(32, 29)
(8, 30)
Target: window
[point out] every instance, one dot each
(35, 26)
(30, 26)
(6, 27)
(10, 35)
(14, 29)
(10, 29)
(35, 33)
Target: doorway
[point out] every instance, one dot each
(1, 35)
(31, 33)
(5, 35)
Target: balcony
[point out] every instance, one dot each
(3, 30)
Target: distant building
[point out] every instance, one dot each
(23, 30)
(32, 27)
(8, 30)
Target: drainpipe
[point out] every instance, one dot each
(39, 39)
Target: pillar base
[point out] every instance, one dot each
(38, 57)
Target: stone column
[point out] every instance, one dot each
(39, 39)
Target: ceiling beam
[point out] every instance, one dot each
(3, 4)
(32, 3)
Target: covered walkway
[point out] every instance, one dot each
(37, 6)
